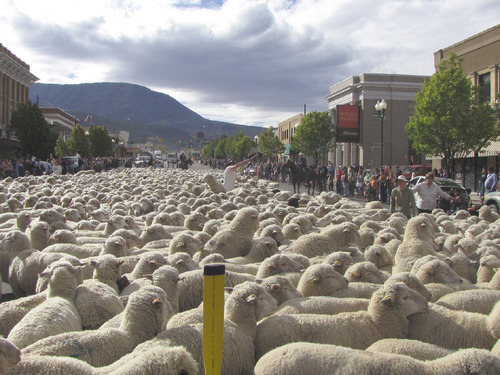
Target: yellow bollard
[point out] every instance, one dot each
(213, 317)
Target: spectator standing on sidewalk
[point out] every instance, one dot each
(491, 181)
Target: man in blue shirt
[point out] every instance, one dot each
(491, 181)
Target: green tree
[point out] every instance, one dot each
(239, 146)
(222, 148)
(314, 136)
(101, 143)
(269, 143)
(451, 119)
(34, 133)
(208, 151)
(61, 148)
(79, 142)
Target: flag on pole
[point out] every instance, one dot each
(88, 118)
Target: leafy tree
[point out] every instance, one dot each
(239, 146)
(314, 136)
(79, 142)
(269, 143)
(61, 148)
(34, 133)
(222, 148)
(451, 119)
(101, 143)
(208, 151)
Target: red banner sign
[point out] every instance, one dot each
(347, 123)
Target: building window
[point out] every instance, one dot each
(484, 83)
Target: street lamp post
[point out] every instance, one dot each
(380, 107)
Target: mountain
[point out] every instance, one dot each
(137, 109)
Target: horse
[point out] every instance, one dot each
(185, 163)
(296, 176)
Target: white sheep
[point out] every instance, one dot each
(280, 288)
(414, 348)
(322, 305)
(365, 272)
(186, 243)
(26, 266)
(313, 358)
(479, 301)
(262, 248)
(417, 242)
(456, 329)
(244, 307)
(11, 244)
(214, 185)
(437, 271)
(191, 286)
(320, 280)
(276, 264)
(144, 317)
(380, 256)
(57, 314)
(182, 262)
(387, 316)
(330, 239)
(236, 239)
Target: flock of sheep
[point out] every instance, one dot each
(102, 273)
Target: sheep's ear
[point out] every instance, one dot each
(270, 267)
(251, 298)
(229, 289)
(429, 271)
(447, 261)
(275, 286)
(44, 274)
(157, 302)
(346, 230)
(355, 275)
(154, 262)
(123, 282)
(148, 276)
(180, 261)
(180, 244)
(93, 263)
(119, 262)
(258, 281)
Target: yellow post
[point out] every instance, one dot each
(213, 317)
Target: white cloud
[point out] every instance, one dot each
(244, 61)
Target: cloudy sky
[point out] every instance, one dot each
(252, 62)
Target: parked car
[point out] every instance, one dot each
(492, 200)
(416, 170)
(448, 186)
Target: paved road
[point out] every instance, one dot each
(288, 186)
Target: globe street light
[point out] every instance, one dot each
(380, 107)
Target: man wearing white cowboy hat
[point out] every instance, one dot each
(402, 199)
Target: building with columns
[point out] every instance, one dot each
(363, 91)
(15, 81)
(62, 122)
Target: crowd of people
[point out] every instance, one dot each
(57, 166)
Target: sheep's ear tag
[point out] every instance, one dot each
(336, 262)
(251, 298)
(427, 271)
(157, 301)
(346, 229)
(387, 299)
(313, 281)
(180, 261)
(354, 274)
(180, 244)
